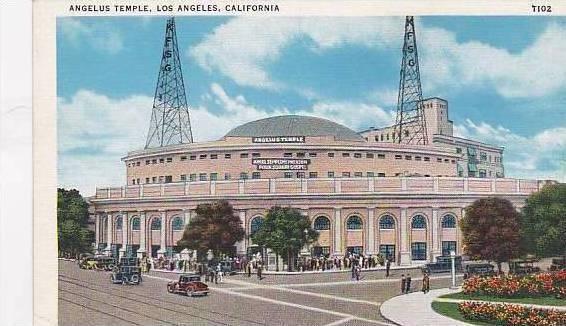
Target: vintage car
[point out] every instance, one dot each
(126, 275)
(98, 263)
(443, 264)
(228, 267)
(479, 269)
(523, 266)
(189, 284)
(558, 264)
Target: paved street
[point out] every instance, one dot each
(88, 298)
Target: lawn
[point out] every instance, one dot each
(450, 309)
(547, 300)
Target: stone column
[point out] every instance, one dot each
(435, 234)
(143, 236)
(97, 230)
(370, 247)
(338, 248)
(162, 244)
(110, 231)
(124, 234)
(241, 246)
(459, 232)
(405, 258)
(188, 216)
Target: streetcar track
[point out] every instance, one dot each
(100, 311)
(159, 300)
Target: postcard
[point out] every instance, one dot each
(299, 163)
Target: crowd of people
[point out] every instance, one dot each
(348, 261)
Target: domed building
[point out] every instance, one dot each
(362, 195)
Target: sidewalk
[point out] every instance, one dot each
(415, 309)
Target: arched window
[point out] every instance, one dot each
(177, 223)
(418, 222)
(386, 222)
(322, 223)
(156, 223)
(255, 224)
(119, 223)
(354, 223)
(448, 221)
(135, 223)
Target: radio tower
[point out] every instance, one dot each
(170, 122)
(410, 124)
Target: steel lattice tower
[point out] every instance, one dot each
(410, 124)
(170, 122)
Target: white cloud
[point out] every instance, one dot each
(244, 47)
(100, 36)
(539, 156)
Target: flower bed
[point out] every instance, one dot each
(509, 314)
(534, 285)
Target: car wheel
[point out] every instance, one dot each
(135, 279)
(170, 288)
(190, 293)
(125, 280)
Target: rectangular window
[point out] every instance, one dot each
(398, 157)
(227, 156)
(193, 157)
(358, 174)
(243, 175)
(370, 174)
(330, 174)
(438, 159)
(193, 177)
(418, 251)
(330, 154)
(446, 160)
(202, 177)
(318, 251)
(183, 177)
(256, 175)
(358, 250)
(161, 160)
(168, 178)
(138, 181)
(146, 162)
(243, 155)
(161, 179)
(358, 155)
(256, 154)
(154, 179)
(154, 161)
(427, 159)
(453, 161)
(300, 175)
(202, 156)
(227, 176)
(288, 175)
(380, 156)
(133, 181)
(408, 157)
(369, 155)
(213, 176)
(137, 163)
(482, 174)
(183, 158)
(345, 154)
(346, 174)
(417, 158)
(448, 246)
(169, 159)
(213, 156)
(312, 154)
(381, 175)
(287, 154)
(483, 156)
(313, 175)
(387, 251)
(458, 150)
(300, 154)
(146, 180)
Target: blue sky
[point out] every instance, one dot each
(504, 78)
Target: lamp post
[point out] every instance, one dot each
(453, 263)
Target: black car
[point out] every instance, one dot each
(480, 269)
(557, 264)
(443, 264)
(126, 275)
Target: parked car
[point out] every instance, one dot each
(443, 264)
(228, 267)
(126, 275)
(557, 264)
(523, 266)
(479, 269)
(189, 284)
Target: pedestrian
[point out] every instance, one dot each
(387, 267)
(259, 267)
(358, 273)
(249, 269)
(353, 271)
(214, 275)
(403, 283)
(220, 273)
(408, 283)
(426, 283)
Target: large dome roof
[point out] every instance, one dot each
(294, 125)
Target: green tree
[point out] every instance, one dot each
(490, 230)
(543, 221)
(285, 231)
(215, 227)
(72, 219)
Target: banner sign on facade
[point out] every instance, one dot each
(281, 164)
(279, 139)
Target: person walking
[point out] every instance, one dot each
(358, 272)
(387, 267)
(259, 267)
(408, 283)
(220, 274)
(249, 269)
(403, 283)
(426, 283)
